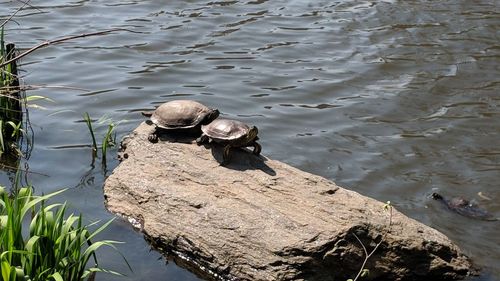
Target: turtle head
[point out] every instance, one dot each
(436, 196)
(252, 134)
(211, 116)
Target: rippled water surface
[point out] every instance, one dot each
(392, 99)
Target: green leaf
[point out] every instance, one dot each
(31, 243)
(56, 276)
(20, 274)
(5, 270)
(35, 98)
(32, 203)
(3, 221)
(101, 228)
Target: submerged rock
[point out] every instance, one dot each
(260, 219)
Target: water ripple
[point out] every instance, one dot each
(384, 97)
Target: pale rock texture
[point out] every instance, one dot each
(260, 219)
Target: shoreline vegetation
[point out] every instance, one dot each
(58, 246)
(11, 97)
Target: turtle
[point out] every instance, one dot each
(230, 133)
(180, 115)
(464, 207)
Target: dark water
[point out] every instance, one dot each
(392, 99)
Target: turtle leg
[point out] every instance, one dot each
(226, 156)
(153, 137)
(202, 139)
(257, 148)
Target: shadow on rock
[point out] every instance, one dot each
(242, 159)
(178, 136)
(215, 215)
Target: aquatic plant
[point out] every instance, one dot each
(88, 121)
(57, 246)
(10, 98)
(108, 140)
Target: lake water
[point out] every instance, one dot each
(392, 99)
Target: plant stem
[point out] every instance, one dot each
(368, 255)
(88, 121)
(106, 141)
(60, 40)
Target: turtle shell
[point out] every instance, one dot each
(180, 114)
(225, 129)
(465, 208)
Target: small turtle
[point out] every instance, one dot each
(464, 207)
(184, 115)
(230, 133)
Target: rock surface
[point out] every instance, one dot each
(259, 219)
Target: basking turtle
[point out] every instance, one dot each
(182, 115)
(230, 133)
(464, 207)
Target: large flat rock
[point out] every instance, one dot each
(260, 219)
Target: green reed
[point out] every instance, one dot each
(57, 247)
(108, 140)
(88, 121)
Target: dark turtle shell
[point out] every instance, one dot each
(181, 114)
(225, 129)
(464, 207)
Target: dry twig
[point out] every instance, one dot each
(368, 255)
(60, 40)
